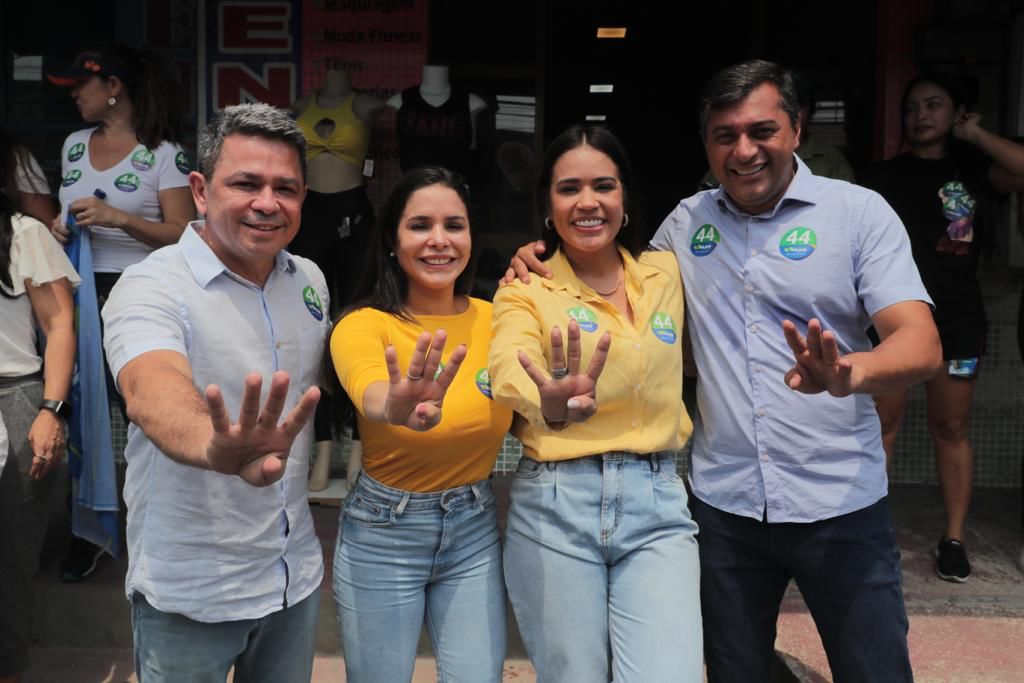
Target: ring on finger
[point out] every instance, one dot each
(414, 378)
(559, 373)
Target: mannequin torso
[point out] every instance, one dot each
(436, 123)
(328, 172)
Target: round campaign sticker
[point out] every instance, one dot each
(71, 178)
(663, 327)
(705, 240)
(483, 382)
(584, 317)
(143, 160)
(181, 161)
(76, 151)
(127, 182)
(312, 301)
(798, 244)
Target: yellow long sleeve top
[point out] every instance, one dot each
(462, 448)
(639, 394)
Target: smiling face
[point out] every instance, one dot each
(750, 148)
(928, 115)
(433, 242)
(252, 203)
(586, 200)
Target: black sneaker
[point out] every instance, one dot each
(951, 561)
(81, 561)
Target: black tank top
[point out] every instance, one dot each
(434, 135)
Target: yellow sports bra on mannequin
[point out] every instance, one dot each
(349, 140)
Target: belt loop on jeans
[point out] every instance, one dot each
(400, 508)
(478, 495)
(655, 462)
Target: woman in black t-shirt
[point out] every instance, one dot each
(942, 189)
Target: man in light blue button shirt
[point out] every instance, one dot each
(224, 564)
(783, 272)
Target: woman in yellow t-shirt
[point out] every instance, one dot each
(600, 552)
(418, 537)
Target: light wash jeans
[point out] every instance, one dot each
(278, 648)
(404, 557)
(602, 569)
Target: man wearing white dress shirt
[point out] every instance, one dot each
(224, 563)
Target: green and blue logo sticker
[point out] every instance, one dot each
(663, 327)
(798, 243)
(127, 182)
(705, 240)
(72, 177)
(584, 317)
(483, 382)
(312, 301)
(143, 159)
(181, 161)
(76, 152)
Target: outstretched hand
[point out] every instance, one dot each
(573, 396)
(525, 261)
(415, 399)
(256, 447)
(819, 366)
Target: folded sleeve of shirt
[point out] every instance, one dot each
(143, 314)
(884, 268)
(516, 327)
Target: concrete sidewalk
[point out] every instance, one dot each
(972, 632)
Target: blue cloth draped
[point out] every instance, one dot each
(95, 505)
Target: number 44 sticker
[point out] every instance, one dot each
(798, 243)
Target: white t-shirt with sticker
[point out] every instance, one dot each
(131, 185)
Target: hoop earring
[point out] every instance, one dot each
(625, 220)
(111, 101)
(548, 223)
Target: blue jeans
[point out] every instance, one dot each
(404, 557)
(278, 648)
(602, 569)
(848, 570)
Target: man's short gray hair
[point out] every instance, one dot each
(255, 119)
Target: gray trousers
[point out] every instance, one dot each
(24, 508)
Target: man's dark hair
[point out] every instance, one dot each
(733, 84)
(255, 119)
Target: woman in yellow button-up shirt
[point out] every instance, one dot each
(600, 552)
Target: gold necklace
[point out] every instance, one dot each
(618, 283)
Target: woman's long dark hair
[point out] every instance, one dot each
(9, 152)
(384, 285)
(603, 140)
(155, 96)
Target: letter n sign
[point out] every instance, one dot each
(235, 83)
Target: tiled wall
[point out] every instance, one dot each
(997, 427)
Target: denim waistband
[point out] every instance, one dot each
(478, 493)
(6, 382)
(654, 459)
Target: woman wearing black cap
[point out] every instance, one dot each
(125, 179)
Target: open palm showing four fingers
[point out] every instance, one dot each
(568, 395)
(414, 399)
(256, 447)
